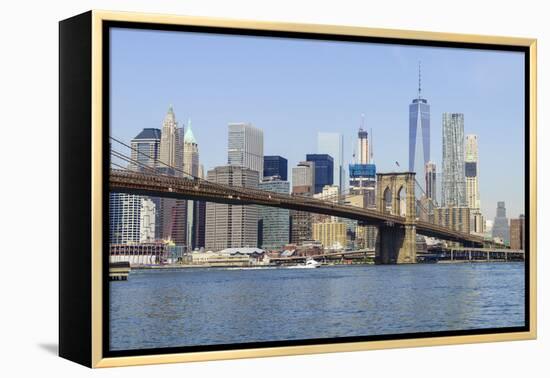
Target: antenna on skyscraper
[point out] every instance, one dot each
(362, 121)
(419, 79)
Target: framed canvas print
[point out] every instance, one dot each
(234, 189)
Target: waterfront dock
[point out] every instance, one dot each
(119, 271)
(465, 254)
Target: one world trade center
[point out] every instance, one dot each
(419, 135)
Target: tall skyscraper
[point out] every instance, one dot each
(229, 226)
(330, 193)
(172, 212)
(131, 218)
(190, 152)
(171, 143)
(517, 233)
(428, 199)
(179, 151)
(275, 222)
(453, 183)
(199, 236)
(333, 144)
(145, 149)
(175, 221)
(191, 167)
(331, 234)
(362, 173)
(501, 229)
(303, 184)
(276, 166)
(363, 149)
(419, 133)
(303, 178)
(147, 220)
(246, 146)
(365, 235)
(471, 172)
(456, 218)
(431, 178)
(362, 180)
(324, 170)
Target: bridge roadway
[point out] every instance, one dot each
(198, 189)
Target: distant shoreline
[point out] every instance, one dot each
(258, 267)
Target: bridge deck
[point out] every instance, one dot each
(192, 188)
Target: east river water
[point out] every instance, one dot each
(189, 307)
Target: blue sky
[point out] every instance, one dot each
(293, 89)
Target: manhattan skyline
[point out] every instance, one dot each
(293, 89)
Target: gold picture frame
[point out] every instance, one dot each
(86, 33)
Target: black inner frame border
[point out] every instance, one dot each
(108, 25)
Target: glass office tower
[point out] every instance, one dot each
(419, 135)
(333, 145)
(324, 170)
(275, 166)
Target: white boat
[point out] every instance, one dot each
(310, 263)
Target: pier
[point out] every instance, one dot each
(119, 271)
(465, 254)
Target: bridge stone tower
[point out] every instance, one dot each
(396, 244)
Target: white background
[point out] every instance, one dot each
(29, 215)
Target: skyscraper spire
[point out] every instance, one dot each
(169, 140)
(189, 138)
(419, 79)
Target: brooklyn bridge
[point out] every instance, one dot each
(394, 216)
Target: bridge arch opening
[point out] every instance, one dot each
(387, 200)
(402, 201)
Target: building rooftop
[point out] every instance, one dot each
(149, 133)
(244, 251)
(310, 157)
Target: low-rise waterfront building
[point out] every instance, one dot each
(210, 258)
(229, 257)
(309, 248)
(151, 253)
